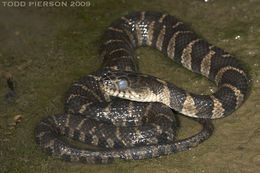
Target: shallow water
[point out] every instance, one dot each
(44, 50)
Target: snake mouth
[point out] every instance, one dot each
(123, 94)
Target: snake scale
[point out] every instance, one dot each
(130, 114)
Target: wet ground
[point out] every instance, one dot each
(44, 50)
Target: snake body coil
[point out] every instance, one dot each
(98, 114)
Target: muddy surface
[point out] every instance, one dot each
(43, 50)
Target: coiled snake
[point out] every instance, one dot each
(99, 110)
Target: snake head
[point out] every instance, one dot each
(128, 85)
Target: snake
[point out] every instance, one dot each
(128, 115)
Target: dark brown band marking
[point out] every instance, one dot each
(224, 69)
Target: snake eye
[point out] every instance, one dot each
(122, 84)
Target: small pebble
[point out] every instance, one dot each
(17, 33)
(12, 124)
(5, 140)
(17, 118)
(237, 37)
(8, 75)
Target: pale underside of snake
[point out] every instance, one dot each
(130, 114)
